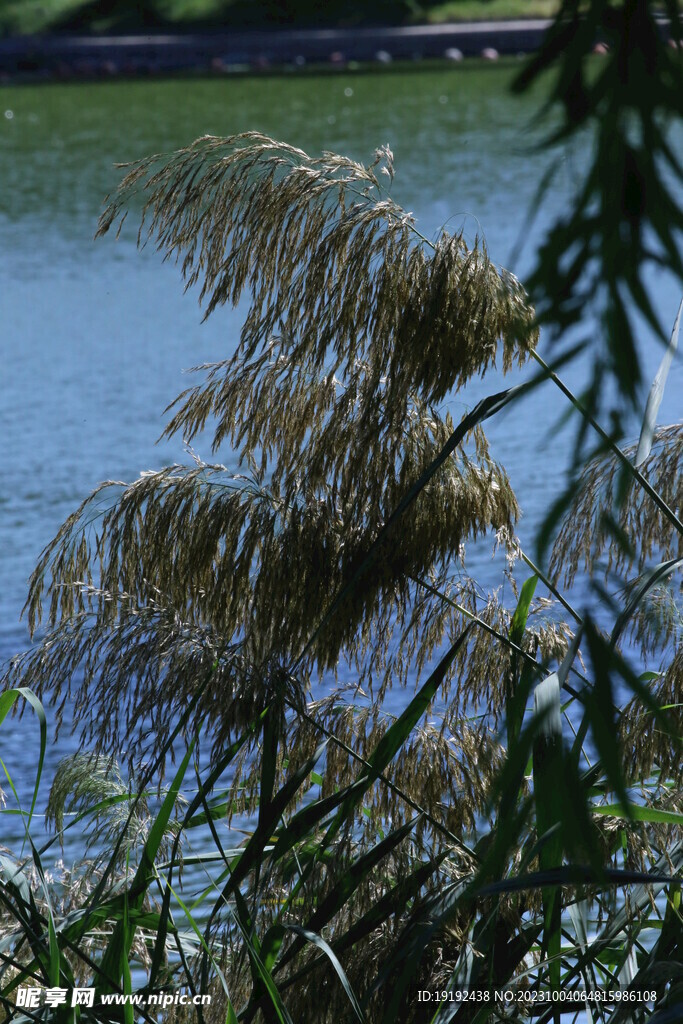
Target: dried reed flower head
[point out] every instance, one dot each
(604, 491)
(122, 813)
(648, 749)
(332, 264)
(356, 327)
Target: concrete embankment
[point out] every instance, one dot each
(85, 56)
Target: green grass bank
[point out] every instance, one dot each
(20, 17)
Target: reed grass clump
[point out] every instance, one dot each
(516, 825)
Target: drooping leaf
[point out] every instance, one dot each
(656, 393)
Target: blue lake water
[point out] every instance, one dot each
(95, 335)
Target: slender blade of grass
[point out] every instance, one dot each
(121, 939)
(638, 813)
(654, 398)
(650, 580)
(316, 940)
(7, 702)
(547, 770)
(517, 691)
(348, 883)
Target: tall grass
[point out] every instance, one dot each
(496, 836)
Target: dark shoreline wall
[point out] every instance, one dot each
(159, 53)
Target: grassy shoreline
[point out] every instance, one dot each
(21, 17)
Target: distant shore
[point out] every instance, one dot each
(225, 52)
(60, 57)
